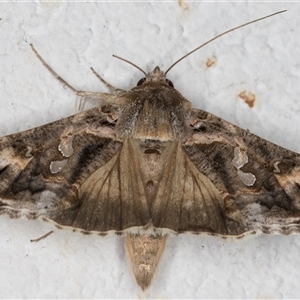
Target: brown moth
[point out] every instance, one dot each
(145, 163)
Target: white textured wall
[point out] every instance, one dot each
(263, 58)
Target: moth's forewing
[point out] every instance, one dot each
(258, 180)
(42, 168)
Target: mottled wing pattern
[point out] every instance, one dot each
(42, 169)
(258, 181)
(220, 180)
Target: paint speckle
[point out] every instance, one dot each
(211, 61)
(183, 5)
(248, 97)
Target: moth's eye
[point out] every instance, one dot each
(141, 81)
(170, 83)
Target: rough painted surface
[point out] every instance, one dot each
(261, 59)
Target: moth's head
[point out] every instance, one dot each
(155, 76)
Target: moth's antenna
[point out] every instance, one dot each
(129, 62)
(219, 35)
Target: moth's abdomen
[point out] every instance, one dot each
(152, 155)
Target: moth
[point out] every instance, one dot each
(145, 164)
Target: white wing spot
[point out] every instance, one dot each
(65, 145)
(277, 170)
(239, 160)
(28, 153)
(247, 178)
(57, 165)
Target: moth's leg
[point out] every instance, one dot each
(79, 93)
(111, 87)
(42, 237)
(103, 96)
(100, 97)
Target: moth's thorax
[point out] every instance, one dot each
(156, 111)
